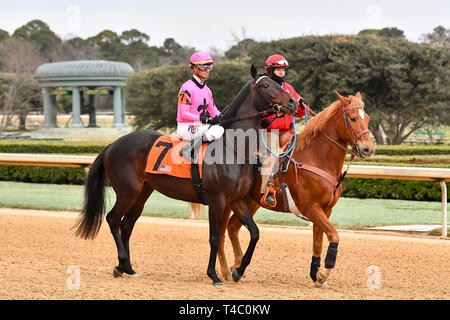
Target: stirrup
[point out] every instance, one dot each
(270, 190)
(188, 151)
(192, 149)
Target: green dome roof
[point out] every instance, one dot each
(84, 68)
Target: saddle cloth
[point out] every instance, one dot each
(165, 158)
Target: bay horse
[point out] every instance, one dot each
(226, 186)
(312, 178)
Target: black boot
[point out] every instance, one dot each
(190, 151)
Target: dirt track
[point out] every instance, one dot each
(171, 257)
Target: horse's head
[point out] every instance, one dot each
(356, 130)
(271, 95)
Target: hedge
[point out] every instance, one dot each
(405, 150)
(38, 146)
(42, 174)
(65, 147)
(392, 189)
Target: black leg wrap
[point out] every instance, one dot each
(315, 265)
(330, 259)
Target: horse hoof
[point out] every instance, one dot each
(226, 276)
(133, 275)
(117, 273)
(218, 283)
(320, 285)
(235, 275)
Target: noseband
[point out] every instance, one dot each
(353, 135)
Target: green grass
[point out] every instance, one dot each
(349, 213)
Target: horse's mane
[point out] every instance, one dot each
(237, 101)
(316, 124)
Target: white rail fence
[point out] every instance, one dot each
(356, 171)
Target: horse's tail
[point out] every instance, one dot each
(196, 210)
(91, 216)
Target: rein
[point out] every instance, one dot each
(269, 112)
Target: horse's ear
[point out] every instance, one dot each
(254, 72)
(344, 100)
(358, 95)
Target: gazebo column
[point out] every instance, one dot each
(49, 110)
(76, 108)
(124, 121)
(117, 106)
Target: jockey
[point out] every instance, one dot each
(276, 66)
(197, 115)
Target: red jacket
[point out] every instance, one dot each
(284, 123)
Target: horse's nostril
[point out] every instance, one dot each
(367, 151)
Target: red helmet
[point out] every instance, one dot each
(276, 61)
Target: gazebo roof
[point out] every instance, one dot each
(83, 72)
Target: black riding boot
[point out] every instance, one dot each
(190, 151)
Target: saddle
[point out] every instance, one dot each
(164, 158)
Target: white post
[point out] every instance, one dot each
(444, 208)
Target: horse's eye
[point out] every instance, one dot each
(353, 119)
(265, 85)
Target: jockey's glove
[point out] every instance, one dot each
(265, 123)
(205, 117)
(215, 120)
(303, 101)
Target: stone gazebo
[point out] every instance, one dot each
(81, 75)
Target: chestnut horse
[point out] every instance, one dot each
(312, 178)
(226, 186)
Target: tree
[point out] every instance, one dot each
(108, 43)
(3, 35)
(79, 49)
(439, 37)
(39, 33)
(134, 36)
(240, 50)
(170, 46)
(136, 51)
(384, 32)
(173, 53)
(20, 59)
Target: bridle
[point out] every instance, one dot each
(274, 108)
(351, 132)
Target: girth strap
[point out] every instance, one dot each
(198, 182)
(315, 170)
(320, 172)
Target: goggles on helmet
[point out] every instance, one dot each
(279, 64)
(204, 67)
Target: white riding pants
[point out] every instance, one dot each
(190, 131)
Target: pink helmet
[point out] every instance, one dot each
(201, 57)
